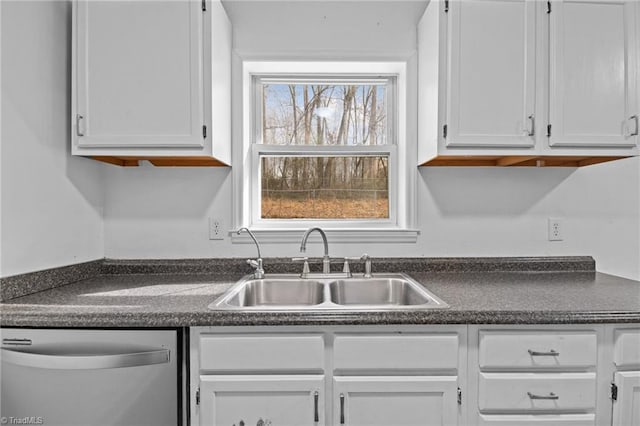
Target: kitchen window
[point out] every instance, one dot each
(324, 145)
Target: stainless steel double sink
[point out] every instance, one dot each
(289, 292)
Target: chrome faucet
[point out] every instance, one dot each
(326, 261)
(256, 264)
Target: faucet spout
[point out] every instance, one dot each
(257, 264)
(326, 262)
(253, 237)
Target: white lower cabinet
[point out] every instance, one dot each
(436, 375)
(398, 401)
(356, 376)
(261, 400)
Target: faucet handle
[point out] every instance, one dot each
(345, 266)
(367, 265)
(347, 259)
(257, 265)
(305, 266)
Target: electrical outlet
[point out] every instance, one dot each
(555, 229)
(215, 229)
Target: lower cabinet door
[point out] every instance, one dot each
(397, 401)
(626, 409)
(262, 400)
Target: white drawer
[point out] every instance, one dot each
(286, 352)
(537, 349)
(538, 420)
(396, 352)
(526, 392)
(627, 348)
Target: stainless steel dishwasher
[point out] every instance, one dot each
(89, 377)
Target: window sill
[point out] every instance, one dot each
(334, 236)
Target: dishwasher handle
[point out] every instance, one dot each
(85, 362)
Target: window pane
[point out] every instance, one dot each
(329, 114)
(324, 187)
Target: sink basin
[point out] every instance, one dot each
(289, 292)
(277, 292)
(378, 291)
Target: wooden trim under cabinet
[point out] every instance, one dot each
(161, 161)
(516, 161)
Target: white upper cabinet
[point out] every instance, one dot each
(141, 79)
(524, 82)
(139, 74)
(491, 53)
(593, 86)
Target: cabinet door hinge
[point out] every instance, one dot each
(548, 130)
(204, 5)
(446, 6)
(198, 397)
(444, 131)
(548, 7)
(204, 132)
(459, 396)
(614, 392)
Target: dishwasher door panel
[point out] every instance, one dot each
(90, 377)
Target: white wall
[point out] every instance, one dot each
(504, 212)
(51, 202)
(352, 28)
(163, 213)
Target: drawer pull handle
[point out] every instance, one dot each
(550, 353)
(316, 415)
(551, 396)
(341, 408)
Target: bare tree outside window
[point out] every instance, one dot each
(346, 186)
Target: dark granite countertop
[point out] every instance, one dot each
(479, 297)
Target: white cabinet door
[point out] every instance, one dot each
(138, 74)
(626, 409)
(491, 85)
(592, 93)
(276, 400)
(398, 401)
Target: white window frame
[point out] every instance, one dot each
(397, 228)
